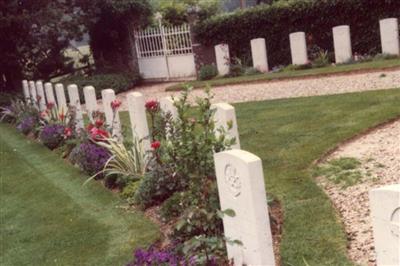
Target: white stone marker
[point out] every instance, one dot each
(389, 28)
(32, 91)
(342, 44)
(259, 54)
(222, 58)
(224, 114)
(25, 89)
(385, 214)
(61, 101)
(112, 120)
(74, 101)
(40, 93)
(241, 188)
(167, 105)
(298, 48)
(48, 88)
(90, 100)
(137, 115)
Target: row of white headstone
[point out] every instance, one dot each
(389, 32)
(239, 173)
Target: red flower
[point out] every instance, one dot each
(98, 134)
(67, 132)
(90, 127)
(62, 116)
(155, 145)
(115, 104)
(50, 105)
(43, 114)
(99, 123)
(152, 105)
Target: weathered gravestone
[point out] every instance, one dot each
(25, 90)
(41, 96)
(222, 58)
(32, 91)
(48, 88)
(385, 214)
(61, 101)
(389, 29)
(342, 44)
(112, 116)
(225, 115)
(241, 188)
(259, 54)
(137, 115)
(298, 48)
(89, 93)
(75, 102)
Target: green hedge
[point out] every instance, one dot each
(316, 17)
(119, 82)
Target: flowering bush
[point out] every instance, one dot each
(52, 135)
(90, 157)
(27, 124)
(152, 256)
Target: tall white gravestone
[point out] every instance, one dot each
(25, 89)
(224, 114)
(259, 54)
(137, 115)
(32, 91)
(389, 29)
(40, 93)
(61, 101)
(112, 119)
(241, 188)
(74, 101)
(222, 58)
(48, 88)
(342, 44)
(89, 93)
(298, 48)
(167, 105)
(385, 214)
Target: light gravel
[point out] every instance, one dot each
(269, 90)
(379, 154)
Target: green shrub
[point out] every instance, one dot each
(208, 72)
(119, 82)
(172, 207)
(315, 17)
(251, 71)
(321, 60)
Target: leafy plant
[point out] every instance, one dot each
(52, 135)
(28, 124)
(236, 67)
(208, 72)
(321, 60)
(173, 206)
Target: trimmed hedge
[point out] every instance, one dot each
(315, 17)
(119, 82)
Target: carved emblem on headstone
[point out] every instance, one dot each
(232, 180)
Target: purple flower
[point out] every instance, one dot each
(52, 135)
(27, 125)
(90, 157)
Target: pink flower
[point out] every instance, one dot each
(98, 134)
(38, 98)
(99, 123)
(115, 104)
(50, 105)
(43, 114)
(155, 145)
(152, 105)
(67, 132)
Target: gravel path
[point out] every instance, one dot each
(379, 153)
(285, 88)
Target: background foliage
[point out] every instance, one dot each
(316, 17)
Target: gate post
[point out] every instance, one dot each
(164, 42)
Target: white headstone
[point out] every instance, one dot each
(90, 100)
(25, 89)
(32, 90)
(342, 44)
(138, 118)
(61, 101)
(224, 115)
(222, 58)
(112, 118)
(241, 188)
(385, 214)
(167, 105)
(298, 48)
(41, 96)
(74, 101)
(389, 28)
(48, 88)
(259, 54)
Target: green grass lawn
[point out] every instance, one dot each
(288, 135)
(48, 218)
(378, 64)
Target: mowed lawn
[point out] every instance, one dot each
(49, 218)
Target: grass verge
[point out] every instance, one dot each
(324, 71)
(48, 218)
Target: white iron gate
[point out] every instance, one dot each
(165, 52)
